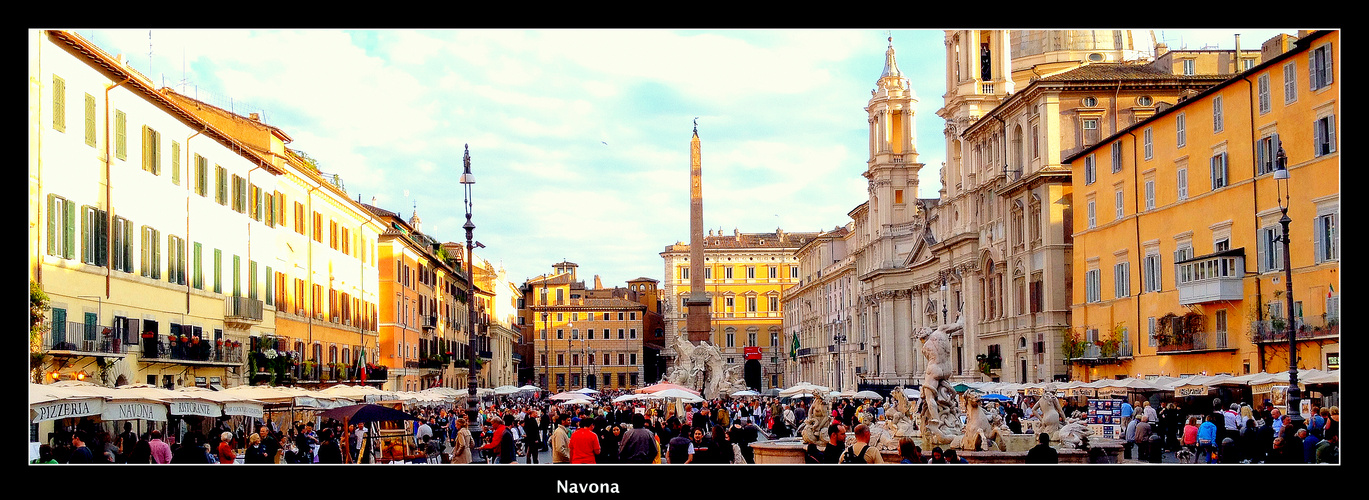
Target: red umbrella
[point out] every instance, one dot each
(663, 386)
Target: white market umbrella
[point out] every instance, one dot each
(746, 392)
(867, 395)
(628, 397)
(804, 389)
(568, 396)
(682, 395)
(529, 388)
(505, 390)
(586, 390)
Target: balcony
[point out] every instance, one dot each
(1211, 278)
(242, 310)
(168, 348)
(429, 322)
(1307, 328)
(1194, 341)
(81, 339)
(1105, 354)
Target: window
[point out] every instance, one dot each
(1092, 286)
(1216, 114)
(632, 360)
(727, 272)
(1290, 82)
(1319, 67)
(197, 266)
(239, 194)
(1262, 83)
(1180, 135)
(729, 302)
(252, 283)
(218, 271)
(175, 260)
(152, 145)
(898, 196)
(59, 104)
(61, 227)
(1121, 275)
(1089, 175)
(1116, 157)
(237, 273)
(318, 231)
(1190, 67)
(1149, 144)
(620, 333)
(1218, 164)
(123, 245)
(1144, 100)
(774, 303)
(90, 120)
(120, 135)
(221, 185)
(201, 175)
(1326, 237)
(589, 334)
(1324, 135)
(731, 338)
(751, 338)
(1182, 183)
(1150, 269)
(1090, 101)
(1270, 251)
(560, 361)
(1119, 199)
(1092, 216)
(1090, 127)
(270, 285)
(793, 272)
(254, 201)
(774, 272)
(632, 334)
(1266, 151)
(1150, 194)
(151, 256)
(1150, 330)
(750, 272)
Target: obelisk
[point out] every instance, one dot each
(697, 321)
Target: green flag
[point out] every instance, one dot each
(794, 349)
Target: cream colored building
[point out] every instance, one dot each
(144, 224)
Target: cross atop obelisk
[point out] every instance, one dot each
(697, 323)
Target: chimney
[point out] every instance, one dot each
(256, 117)
(598, 285)
(1161, 49)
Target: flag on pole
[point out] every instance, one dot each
(794, 349)
(361, 365)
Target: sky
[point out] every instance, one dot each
(579, 139)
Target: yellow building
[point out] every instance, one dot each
(744, 276)
(582, 338)
(1178, 264)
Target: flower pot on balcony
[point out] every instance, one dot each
(148, 335)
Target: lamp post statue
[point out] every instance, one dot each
(1283, 192)
(472, 402)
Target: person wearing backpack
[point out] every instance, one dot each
(860, 452)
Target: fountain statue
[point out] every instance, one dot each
(896, 418)
(702, 364)
(1049, 414)
(937, 412)
(813, 430)
(980, 432)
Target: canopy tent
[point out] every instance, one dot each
(867, 395)
(505, 390)
(586, 390)
(745, 392)
(366, 413)
(529, 388)
(663, 386)
(629, 397)
(51, 402)
(233, 405)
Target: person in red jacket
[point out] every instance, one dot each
(584, 443)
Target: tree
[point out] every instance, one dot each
(38, 325)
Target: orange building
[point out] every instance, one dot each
(1178, 257)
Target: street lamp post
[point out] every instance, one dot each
(838, 338)
(1283, 192)
(472, 403)
(570, 336)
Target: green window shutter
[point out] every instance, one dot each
(175, 163)
(270, 286)
(120, 135)
(252, 279)
(59, 104)
(86, 242)
(237, 272)
(156, 254)
(102, 253)
(69, 238)
(52, 223)
(90, 120)
(198, 278)
(59, 326)
(218, 271)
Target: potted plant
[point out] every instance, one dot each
(148, 334)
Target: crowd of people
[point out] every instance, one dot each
(709, 432)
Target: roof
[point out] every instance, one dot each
(1122, 71)
(1298, 48)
